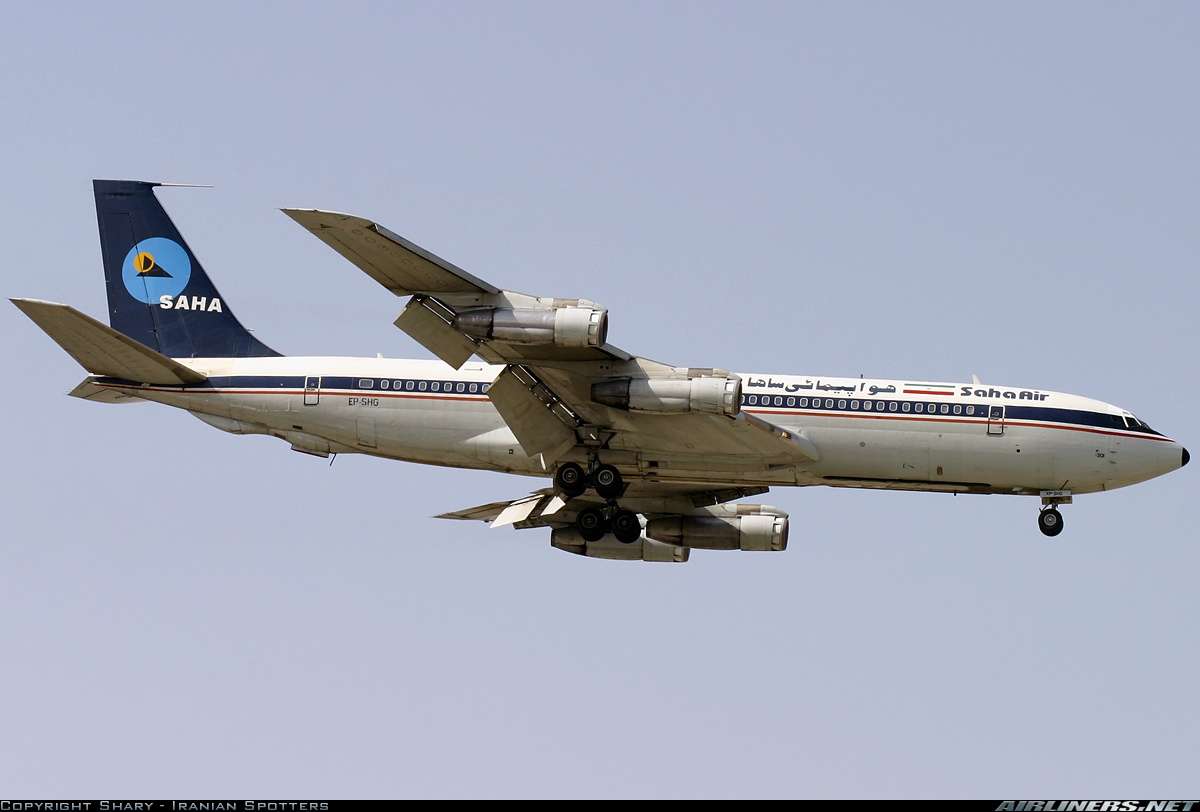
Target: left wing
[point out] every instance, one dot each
(452, 313)
(563, 386)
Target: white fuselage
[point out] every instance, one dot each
(869, 433)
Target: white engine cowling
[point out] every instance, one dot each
(757, 532)
(701, 395)
(560, 326)
(644, 549)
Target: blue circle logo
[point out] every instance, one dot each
(155, 268)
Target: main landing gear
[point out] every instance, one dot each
(593, 523)
(571, 480)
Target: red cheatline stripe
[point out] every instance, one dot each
(928, 392)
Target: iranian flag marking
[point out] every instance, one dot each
(944, 390)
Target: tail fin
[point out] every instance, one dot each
(158, 293)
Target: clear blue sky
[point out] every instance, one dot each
(928, 190)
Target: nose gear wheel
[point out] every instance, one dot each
(1050, 522)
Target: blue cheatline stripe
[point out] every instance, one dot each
(941, 409)
(340, 382)
(913, 409)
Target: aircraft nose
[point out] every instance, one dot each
(1185, 456)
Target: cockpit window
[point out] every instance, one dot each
(1141, 425)
(1131, 423)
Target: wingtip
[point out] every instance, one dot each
(25, 305)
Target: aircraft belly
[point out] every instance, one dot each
(423, 430)
(936, 457)
(466, 434)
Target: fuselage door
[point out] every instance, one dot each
(312, 391)
(996, 421)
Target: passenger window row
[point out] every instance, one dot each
(853, 405)
(457, 387)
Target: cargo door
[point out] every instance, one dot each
(366, 432)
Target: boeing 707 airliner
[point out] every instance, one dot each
(644, 460)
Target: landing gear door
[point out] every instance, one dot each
(996, 421)
(312, 391)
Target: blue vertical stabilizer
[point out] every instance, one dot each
(158, 293)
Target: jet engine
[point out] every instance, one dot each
(765, 531)
(561, 326)
(718, 394)
(644, 549)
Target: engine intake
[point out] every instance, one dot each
(702, 395)
(560, 326)
(758, 532)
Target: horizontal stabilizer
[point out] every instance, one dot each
(101, 350)
(89, 390)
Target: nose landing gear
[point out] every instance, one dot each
(1050, 521)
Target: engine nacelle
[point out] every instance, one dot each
(560, 326)
(701, 395)
(758, 532)
(644, 549)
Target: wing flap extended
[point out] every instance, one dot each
(399, 265)
(535, 423)
(101, 350)
(435, 334)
